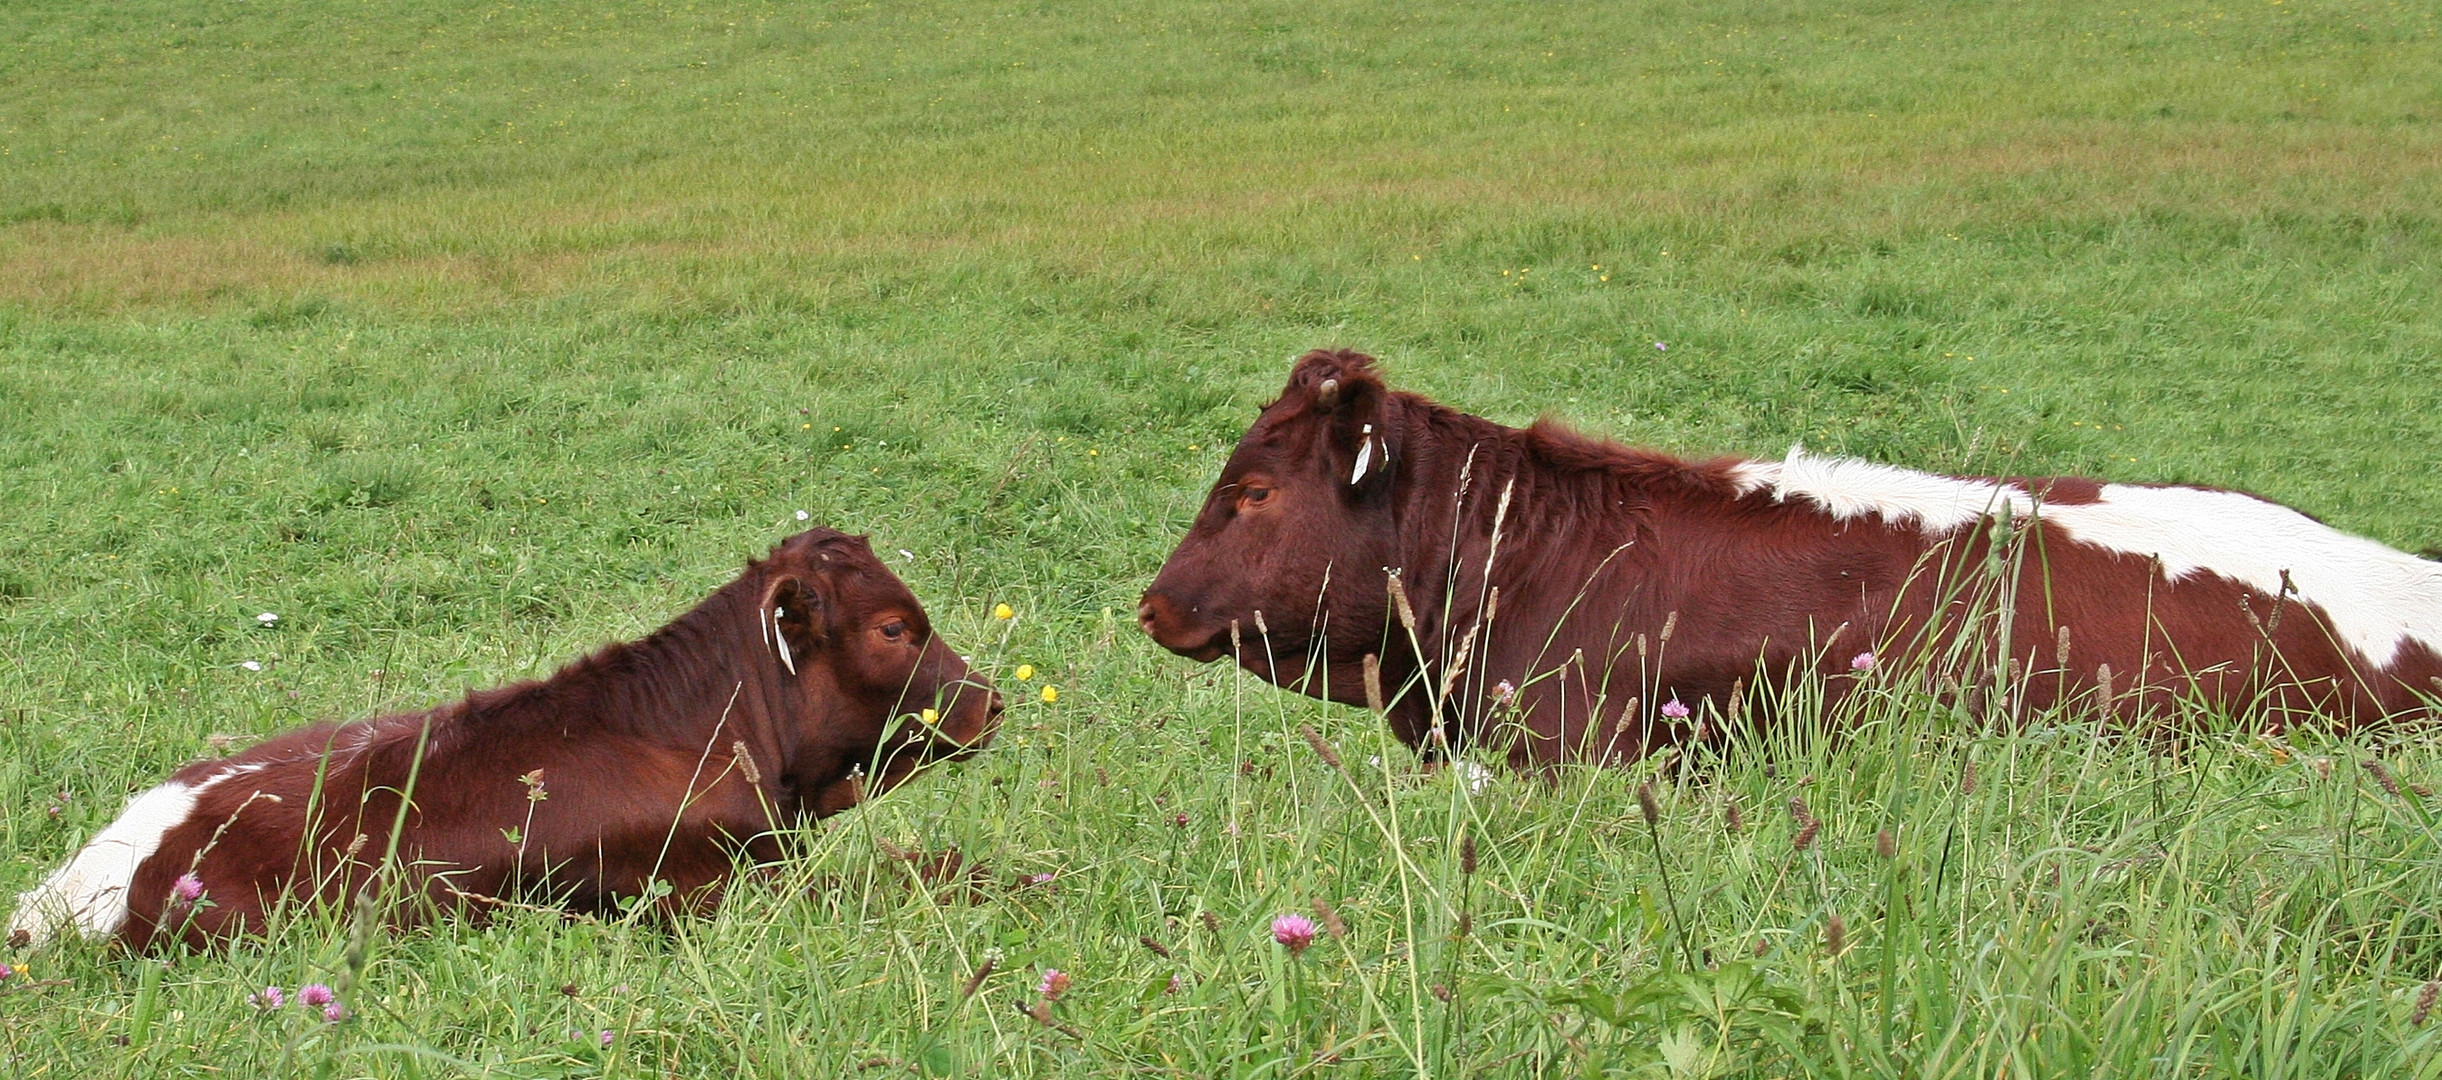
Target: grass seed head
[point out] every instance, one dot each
(1804, 819)
(1322, 749)
(1648, 804)
(1466, 853)
(1399, 596)
(977, 980)
(1835, 935)
(2425, 1003)
(1885, 844)
(2382, 775)
(1330, 918)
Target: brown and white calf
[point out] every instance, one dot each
(647, 765)
(1583, 587)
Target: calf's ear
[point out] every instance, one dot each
(793, 617)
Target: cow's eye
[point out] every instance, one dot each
(1255, 496)
(894, 630)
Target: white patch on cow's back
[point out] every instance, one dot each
(89, 893)
(2376, 596)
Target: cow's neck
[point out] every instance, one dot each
(692, 683)
(1579, 512)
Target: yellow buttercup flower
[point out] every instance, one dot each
(930, 717)
(1003, 611)
(1051, 694)
(1025, 672)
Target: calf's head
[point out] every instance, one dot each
(1292, 540)
(848, 633)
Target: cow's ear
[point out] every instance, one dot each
(1343, 390)
(1360, 434)
(794, 614)
(1333, 379)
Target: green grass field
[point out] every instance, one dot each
(467, 336)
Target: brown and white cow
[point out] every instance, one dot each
(647, 765)
(1582, 588)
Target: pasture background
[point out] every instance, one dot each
(466, 336)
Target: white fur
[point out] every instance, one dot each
(89, 894)
(2377, 598)
(781, 638)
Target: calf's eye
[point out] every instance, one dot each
(894, 630)
(1256, 496)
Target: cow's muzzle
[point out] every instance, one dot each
(1179, 630)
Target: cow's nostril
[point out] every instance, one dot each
(1144, 613)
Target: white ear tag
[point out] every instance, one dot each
(1365, 456)
(763, 622)
(782, 640)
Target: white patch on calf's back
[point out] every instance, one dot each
(2376, 597)
(89, 893)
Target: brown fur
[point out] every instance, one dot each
(1604, 546)
(637, 752)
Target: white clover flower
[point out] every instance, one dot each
(802, 515)
(267, 618)
(1476, 776)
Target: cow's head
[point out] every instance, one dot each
(1293, 538)
(847, 633)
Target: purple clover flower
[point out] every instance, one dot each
(1863, 661)
(268, 998)
(1055, 983)
(315, 995)
(188, 888)
(1675, 708)
(1294, 931)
